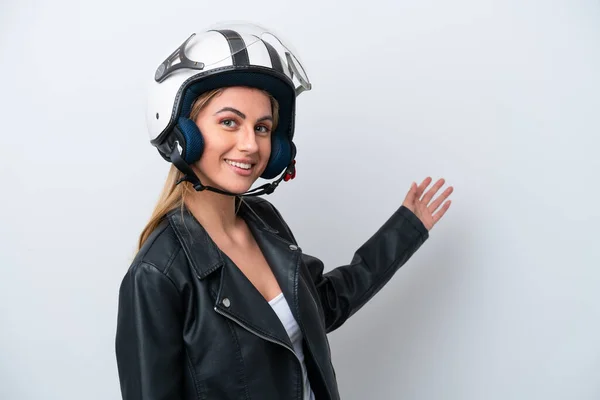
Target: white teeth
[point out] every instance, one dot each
(238, 164)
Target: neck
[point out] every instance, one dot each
(215, 212)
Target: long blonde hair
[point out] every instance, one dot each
(173, 194)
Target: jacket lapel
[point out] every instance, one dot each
(234, 295)
(284, 259)
(239, 300)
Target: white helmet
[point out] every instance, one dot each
(227, 54)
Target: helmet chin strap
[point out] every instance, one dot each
(190, 176)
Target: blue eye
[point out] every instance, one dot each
(229, 123)
(263, 129)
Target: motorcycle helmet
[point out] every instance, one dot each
(224, 55)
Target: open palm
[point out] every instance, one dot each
(421, 204)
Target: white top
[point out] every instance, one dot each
(282, 309)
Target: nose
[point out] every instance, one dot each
(247, 140)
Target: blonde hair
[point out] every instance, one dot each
(173, 194)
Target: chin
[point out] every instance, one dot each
(228, 181)
(239, 189)
(234, 181)
(234, 185)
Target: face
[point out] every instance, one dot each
(236, 126)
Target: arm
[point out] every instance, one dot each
(346, 289)
(148, 344)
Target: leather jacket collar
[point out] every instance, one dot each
(235, 295)
(204, 255)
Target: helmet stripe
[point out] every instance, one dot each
(239, 54)
(275, 60)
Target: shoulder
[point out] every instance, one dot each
(159, 258)
(160, 248)
(153, 280)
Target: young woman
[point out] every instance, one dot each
(220, 302)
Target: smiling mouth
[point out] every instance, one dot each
(241, 165)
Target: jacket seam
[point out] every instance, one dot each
(319, 309)
(241, 359)
(169, 263)
(193, 372)
(149, 263)
(299, 382)
(158, 234)
(299, 274)
(411, 217)
(172, 259)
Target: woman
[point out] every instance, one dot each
(220, 302)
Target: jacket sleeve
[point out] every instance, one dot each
(149, 347)
(346, 289)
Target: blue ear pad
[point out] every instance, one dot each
(194, 143)
(281, 155)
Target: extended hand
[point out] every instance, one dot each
(422, 207)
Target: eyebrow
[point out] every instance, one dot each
(242, 115)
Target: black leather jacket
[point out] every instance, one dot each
(191, 326)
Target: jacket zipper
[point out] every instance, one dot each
(254, 332)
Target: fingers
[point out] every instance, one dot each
(437, 216)
(431, 192)
(412, 192)
(417, 194)
(439, 200)
(421, 188)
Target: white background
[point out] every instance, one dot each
(501, 98)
